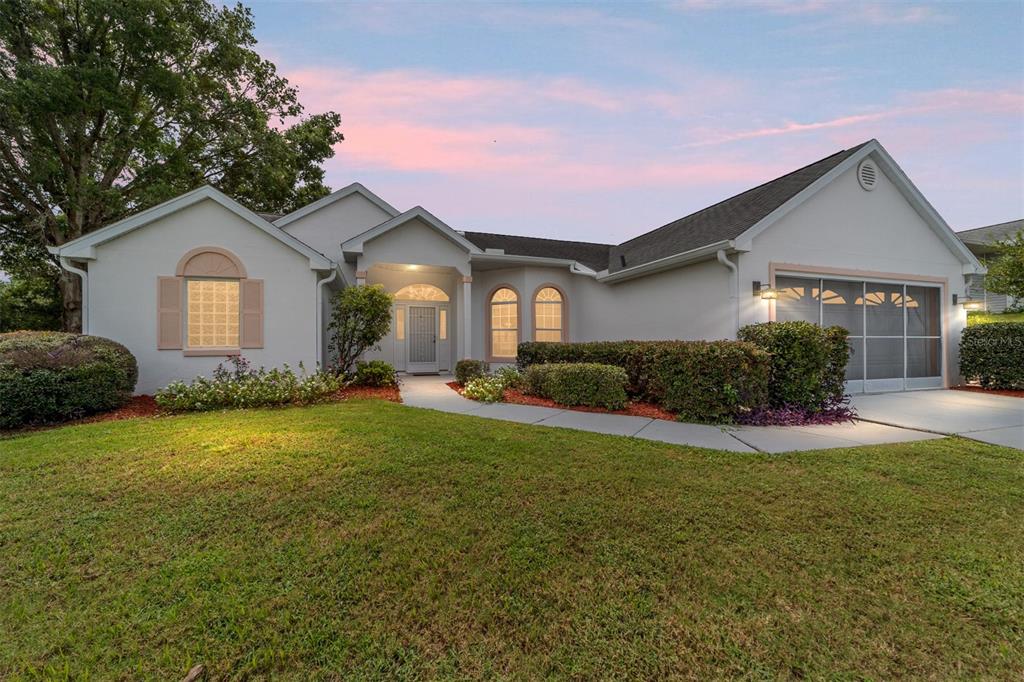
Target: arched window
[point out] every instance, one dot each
(548, 315)
(421, 292)
(503, 314)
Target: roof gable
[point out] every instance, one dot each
(84, 248)
(354, 188)
(355, 244)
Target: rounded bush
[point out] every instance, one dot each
(48, 377)
(579, 383)
(375, 373)
(467, 370)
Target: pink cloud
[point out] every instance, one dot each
(872, 13)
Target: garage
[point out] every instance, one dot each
(895, 327)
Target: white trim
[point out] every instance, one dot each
(355, 244)
(337, 195)
(575, 266)
(84, 248)
(705, 252)
(898, 178)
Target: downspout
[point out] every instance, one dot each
(733, 285)
(65, 263)
(319, 315)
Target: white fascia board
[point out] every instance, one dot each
(337, 195)
(667, 263)
(511, 259)
(898, 177)
(84, 248)
(355, 244)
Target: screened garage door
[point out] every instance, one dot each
(895, 329)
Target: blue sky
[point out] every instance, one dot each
(601, 121)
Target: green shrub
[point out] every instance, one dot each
(242, 386)
(579, 383)
(488, 389)
(993, 355)
(808, 363)
(700, 380)
(360, 318)
(708, 381)
(48, 377)
(510, 376)
(465, 370)
(375, 373)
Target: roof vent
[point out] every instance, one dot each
(867, 174)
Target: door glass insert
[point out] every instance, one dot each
(422, 340)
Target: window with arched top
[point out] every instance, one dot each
(210, 306)
(421, 292)
(549, 315)
(503, 320)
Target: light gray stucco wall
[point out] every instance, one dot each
(123, 291)
(845, 227)
(327, 228)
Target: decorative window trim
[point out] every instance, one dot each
(184, 269)
(431, 293)
(487, 322)
(565, 310)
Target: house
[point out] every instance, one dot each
(980, 241)
(845, 240)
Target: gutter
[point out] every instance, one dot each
(575, 266)
(733, 283)
(65, 263)
(320, 313)
(668, 262)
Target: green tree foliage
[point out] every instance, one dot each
(360, 318)
(1006, 268)
(31, 302)
(108, 107)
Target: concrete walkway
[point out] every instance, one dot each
(996, 419)
(432, 392)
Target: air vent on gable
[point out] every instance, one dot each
(867, 174)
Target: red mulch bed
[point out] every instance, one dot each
(633, 409)
(382, 392)
(138, 406)
(1013, 393)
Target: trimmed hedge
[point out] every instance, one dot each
(579, 383)
(467, 370)
(375, 373)
(808, 364)
(49, 377)
(993, 355)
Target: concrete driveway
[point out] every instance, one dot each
(990, 418)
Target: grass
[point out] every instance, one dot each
(988, 318)
(367, 540)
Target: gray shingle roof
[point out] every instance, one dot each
(991, 233)
(588, 253)
(727, 219)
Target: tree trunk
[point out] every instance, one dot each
(71, 294)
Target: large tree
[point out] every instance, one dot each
(110, 106)
(1006, 267)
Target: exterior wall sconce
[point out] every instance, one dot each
(764, 292)
(968, 303)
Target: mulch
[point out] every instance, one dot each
(632, 409)
(1013, 393)
(380, 392)
(138, 406)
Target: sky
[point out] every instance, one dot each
(601, 121)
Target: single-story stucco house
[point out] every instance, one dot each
(981, 240)
(845, 240)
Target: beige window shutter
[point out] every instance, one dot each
(168, 313)
(252, 313)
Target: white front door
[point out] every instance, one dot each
(422, 339)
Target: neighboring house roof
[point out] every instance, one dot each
(594, 256)
(84, 248)
(725, 220)
(980, 239)
(354, 188)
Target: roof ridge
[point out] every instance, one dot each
(546, 239)
(746, 191)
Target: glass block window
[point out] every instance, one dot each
(213, 313)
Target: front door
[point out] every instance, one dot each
(422, 342)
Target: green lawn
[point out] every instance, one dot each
(987, 318)
(368, 540)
